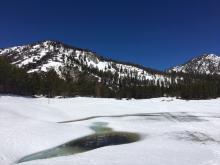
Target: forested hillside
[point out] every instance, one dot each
(14, 80)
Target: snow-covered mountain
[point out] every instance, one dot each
(205, 64)
(46, 55)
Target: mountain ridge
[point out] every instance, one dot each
(51, 68)
(186, 67)
(203, 64)
(89, 50)
(50, 54)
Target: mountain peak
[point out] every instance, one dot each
(212, 56)
(48, 42)
(204, 64)
(45, 55)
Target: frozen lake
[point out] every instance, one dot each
(171, 131)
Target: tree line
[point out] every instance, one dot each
(17, 81)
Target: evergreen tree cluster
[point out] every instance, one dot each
(15, 80)
(196, 86)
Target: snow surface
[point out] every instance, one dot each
(176, 132)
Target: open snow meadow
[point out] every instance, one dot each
(94, 131)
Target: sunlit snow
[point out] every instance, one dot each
(173, 132)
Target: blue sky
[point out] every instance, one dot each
(155, 33)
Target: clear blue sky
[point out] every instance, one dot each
(154, 33)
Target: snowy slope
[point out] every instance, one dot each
(175, 132)
(46, 55)
(205, 64)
